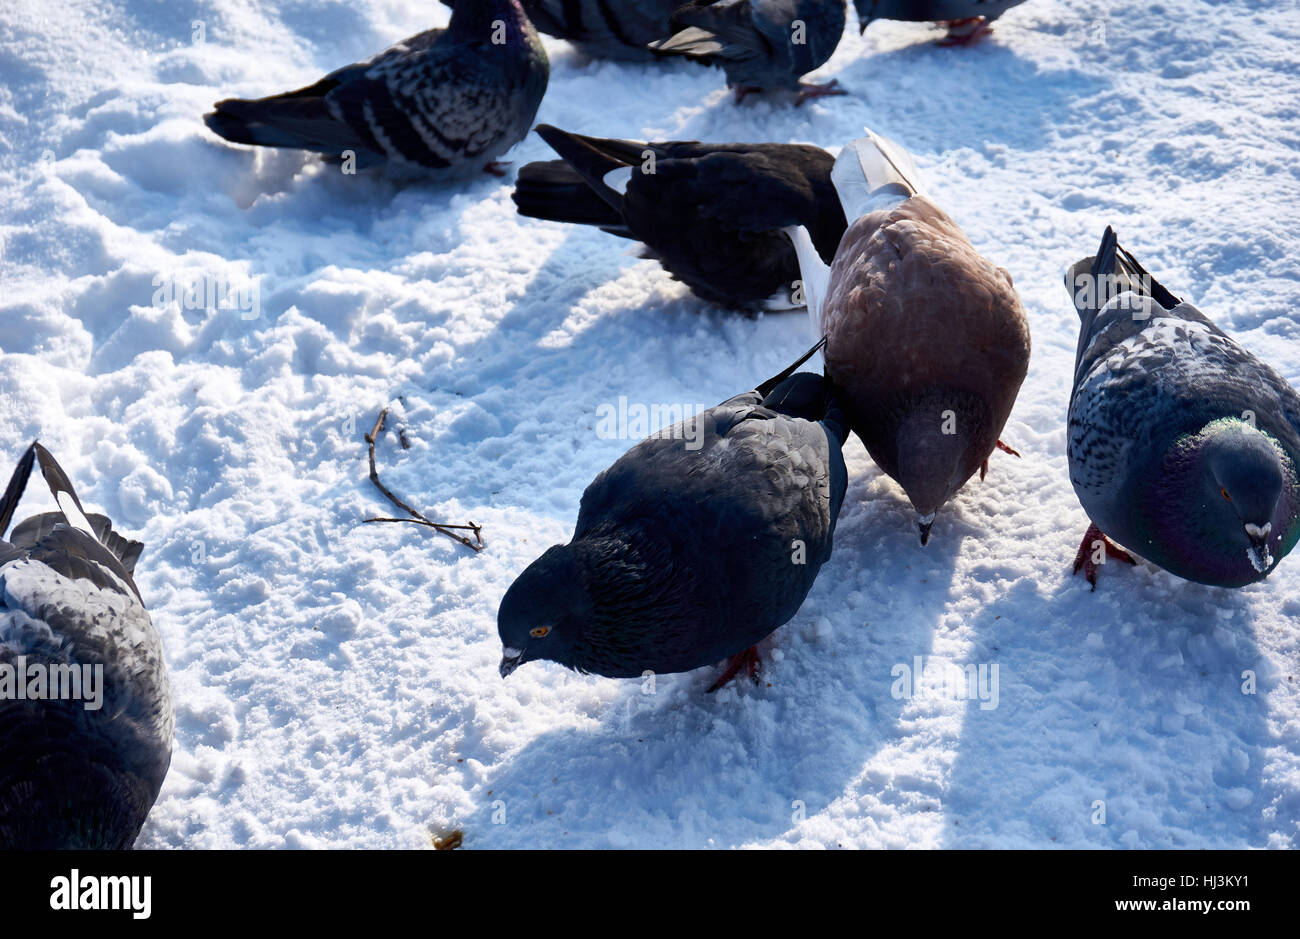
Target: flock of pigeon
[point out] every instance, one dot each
(1182, 446)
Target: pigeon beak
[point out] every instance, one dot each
(511, 659)
(1260, 557)
(923, 523)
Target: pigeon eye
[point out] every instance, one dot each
(1224, 493)
(537, 632)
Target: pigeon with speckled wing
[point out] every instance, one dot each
(603, 29)
(695, 545)
(760, 44)
(1183, 447)
(711, 213)
(442, 104)
(82, 762)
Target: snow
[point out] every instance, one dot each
(336, 682)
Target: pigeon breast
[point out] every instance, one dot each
(912, 306)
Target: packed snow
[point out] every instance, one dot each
(202, 333)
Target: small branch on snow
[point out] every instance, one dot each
(416, 518)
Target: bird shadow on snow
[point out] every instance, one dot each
(1131, 698)
(681, 768)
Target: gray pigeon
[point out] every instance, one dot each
(761, 44)
(967, 20)
(442, 104)
(695, 545)
(603, 29)
(926, 340)
(86, 715)
(1183, 446)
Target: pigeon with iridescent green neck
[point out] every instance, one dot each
(1183, 446)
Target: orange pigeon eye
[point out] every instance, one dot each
(539, 631)
(1224, 493)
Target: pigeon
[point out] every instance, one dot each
(711, 214)
(1183, 447)
(86, 716)
(443, 104)
(603, 29)
(925, 339)
(968, 21)
(760, 44)
(696, 544)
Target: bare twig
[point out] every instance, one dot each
(416, 517)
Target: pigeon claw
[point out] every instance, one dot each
(984, 467)
(1088, 548)
(965, 32)
(497, 168)
(808, 90)
(747, 659)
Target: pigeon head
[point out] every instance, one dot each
(1234, 508)
(1243, 484)
(545, 612)
(939, 447)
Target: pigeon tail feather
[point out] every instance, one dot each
(594, 159)
(813, 272)
(292, 120)
(14, 491)
(72, 513)
(874, 173)
(555, 191)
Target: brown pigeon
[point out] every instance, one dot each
(925, 339)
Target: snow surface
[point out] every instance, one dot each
(336, 683)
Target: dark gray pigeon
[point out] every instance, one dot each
(80, 765)
(442, 104)
(711, 214)
(967, 20)
(925, 339)
(684, 555)
(603, 29)
(760, 44)
(1183, 446)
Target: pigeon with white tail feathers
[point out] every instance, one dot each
(926, 340)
